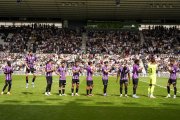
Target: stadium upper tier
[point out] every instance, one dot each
(49, 39)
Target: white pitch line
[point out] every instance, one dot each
(159, 86)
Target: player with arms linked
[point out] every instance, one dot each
(173, 69)
(8, 70)
(135, 77)
(124, 74)
(105, 71)
(49, 70)
(90, 70)
(29, 63)
(75, 78)
(62, 71)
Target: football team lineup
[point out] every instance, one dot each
(89, 59)
(19, 88)
(123, 77)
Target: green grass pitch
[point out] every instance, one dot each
(32, 104)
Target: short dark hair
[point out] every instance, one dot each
(136, 61)
(89, 63)
(50, 60)
(152, 59)
(172, 60)
(105, 62)
(76, 61)
(8, 63)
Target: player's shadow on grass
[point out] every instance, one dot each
(104, 103)
(115, 95)
(83, 94)
(91, 96)
(142, 95)
(170, 104)
(162, 96)
(27, 93)
(38, 102)
(12, 101)
(131, 103)
(83, 100)
(77, 111)
(53, 99)
(99, 94)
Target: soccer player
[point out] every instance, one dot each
(49, 70)
(62, 71)
(152, 67)
(173, 78)
(105, 72)
(90, 71)
(124, 74)
(75, 78)
(8, 70)
(29, 63)
(135, 77)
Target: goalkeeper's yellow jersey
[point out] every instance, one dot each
(152, 69)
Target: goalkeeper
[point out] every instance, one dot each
(152, 67)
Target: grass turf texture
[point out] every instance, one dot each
(32, 104)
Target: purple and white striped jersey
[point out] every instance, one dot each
(124, 73)
(104, 74)
(76, 75)
(62, 71)
(8, 72)
(135, 71)
(49, 67)
(30, 61)
(173, 75)
(89, 73)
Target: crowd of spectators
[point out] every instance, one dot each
(40, 39)
(50, 39)
(114, 46)
(113, 42)
(161, 40)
